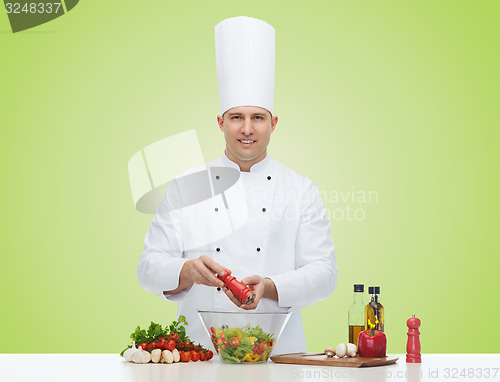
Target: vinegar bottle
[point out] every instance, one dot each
(356, 314)
(374, 311)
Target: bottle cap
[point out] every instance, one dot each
(374, 290)
(359, 288)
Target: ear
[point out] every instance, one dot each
(274, 122)
(220, 122)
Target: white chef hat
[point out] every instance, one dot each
(244, 56)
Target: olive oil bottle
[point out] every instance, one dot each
(374, 311)
(356, 314)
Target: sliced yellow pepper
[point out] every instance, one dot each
(249, 357)
(264, 355)
(246, 358)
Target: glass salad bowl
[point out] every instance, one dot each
(246, 336)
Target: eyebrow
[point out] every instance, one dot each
(260, 114)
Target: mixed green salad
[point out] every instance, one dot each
(242, 344)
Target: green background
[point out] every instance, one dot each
(396, 97)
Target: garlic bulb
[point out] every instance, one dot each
(127, 354)
(141, 356)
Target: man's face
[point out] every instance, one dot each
(247, 130)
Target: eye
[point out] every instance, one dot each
(235, 117)
(258, 117)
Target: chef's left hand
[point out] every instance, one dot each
(262, 287)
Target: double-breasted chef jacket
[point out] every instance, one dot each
(286, 237)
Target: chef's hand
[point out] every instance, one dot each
(199, 271)
(262, 287)
(203, 270)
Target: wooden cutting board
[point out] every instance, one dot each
(322, 360)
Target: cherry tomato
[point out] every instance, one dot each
(203, 356)
(210, 354)
(264, 345)
(195, 356)
(234, 342)
(170, 345)
(185, 356)
(163, 344)
(173, 335)
(256, 349)
(144, 346)
(153, 345)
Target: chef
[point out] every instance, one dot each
(269, 229)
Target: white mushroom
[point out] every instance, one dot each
(177, 356)
(156, 355)
(352, 350)
(167, 356)
(329, 351)
(341, 350)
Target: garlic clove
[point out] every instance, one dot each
(341, 350)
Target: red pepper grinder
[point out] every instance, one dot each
(413, 344)
(240, 290)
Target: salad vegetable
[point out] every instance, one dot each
(169, 343)
(372, 343)
(242, 344)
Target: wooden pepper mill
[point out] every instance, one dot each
(413, 344)
(240, 290)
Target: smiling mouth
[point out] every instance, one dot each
(246, 141)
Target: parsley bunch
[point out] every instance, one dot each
(155, 331)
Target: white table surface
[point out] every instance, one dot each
(112, 367)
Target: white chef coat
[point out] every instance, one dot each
(286, 238)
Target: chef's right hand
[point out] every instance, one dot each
(203, 270)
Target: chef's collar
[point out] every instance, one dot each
(257, 167)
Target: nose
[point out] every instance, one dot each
(247, 128)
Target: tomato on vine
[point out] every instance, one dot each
(185, 356)
(195, 356)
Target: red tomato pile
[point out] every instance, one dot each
(169, 338)
(187, 350)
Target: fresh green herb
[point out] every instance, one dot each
(155, 331)
(176, 327)
(139, 336)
